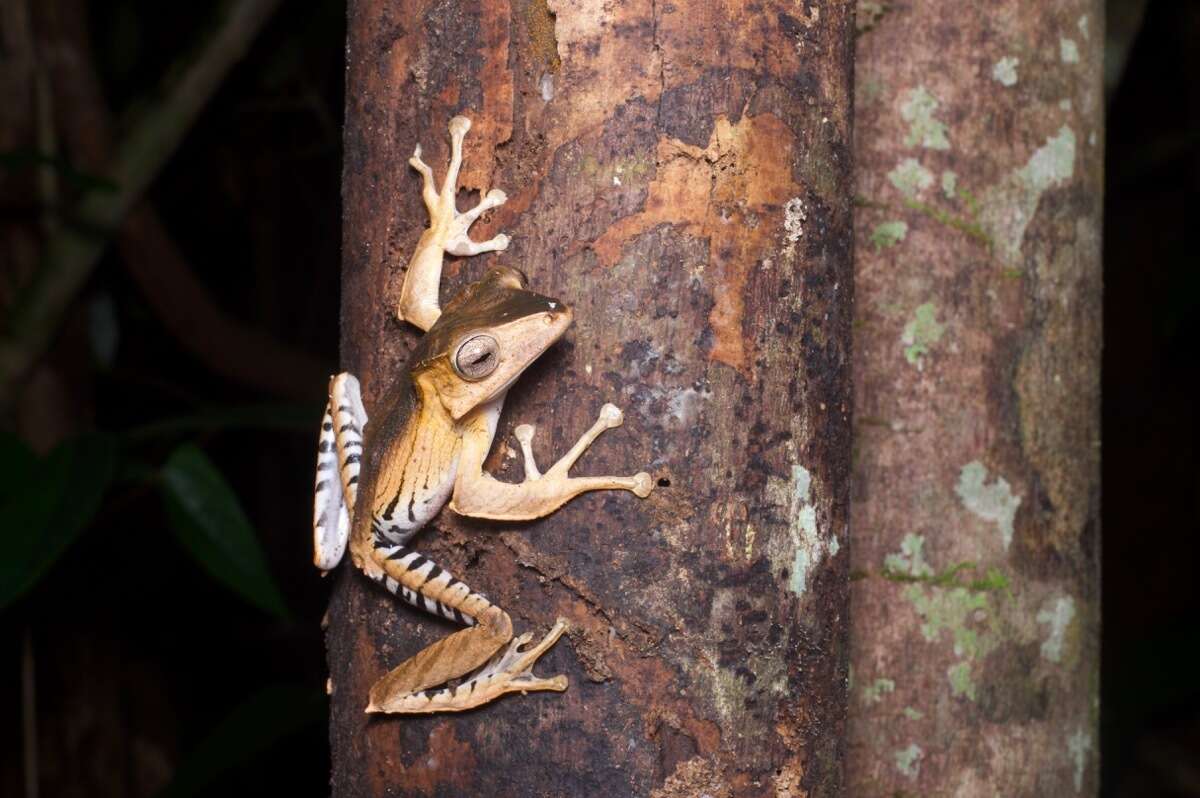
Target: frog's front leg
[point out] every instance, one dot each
(447, 232)
(478, 494)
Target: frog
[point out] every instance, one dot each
(427, 452)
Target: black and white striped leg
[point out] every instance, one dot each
(349, 419)
(331, 519)
(339, 450)
(413, 577)
(477, 655)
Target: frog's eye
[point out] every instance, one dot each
(477, 357)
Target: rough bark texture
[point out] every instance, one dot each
(978, 151)
(679, 173)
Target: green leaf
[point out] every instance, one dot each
(17, 462)
(253, 727)
(45, 504)
(207, 518)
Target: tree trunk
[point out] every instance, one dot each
(975, 641)
(679, 174)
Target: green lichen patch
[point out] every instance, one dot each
(949, 184)
(908, 760)
(1057, 618)
(948, 605)
(992, 502)
(1008, 207)
(888, 234)
(1079, 745)
(922, 331)
(1068, 51)
(966, 616)
(961, 684)
(1052, 163)
(1004, 71)
(910, 560)
(804, 548)
(909, 177)
(873, 693)
(913, 714)
(924, 130)
(950, 610)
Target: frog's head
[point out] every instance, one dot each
(485, 338)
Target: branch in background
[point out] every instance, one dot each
(70, 256)
(183, 305)
(227, 346)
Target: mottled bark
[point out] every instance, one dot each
(978, 151)
(679, 174)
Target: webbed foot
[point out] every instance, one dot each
(508, 671)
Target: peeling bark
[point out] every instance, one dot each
(978, 149)
(679, 174)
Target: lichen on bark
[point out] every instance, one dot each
(976, 477)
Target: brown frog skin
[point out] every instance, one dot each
(428, 450)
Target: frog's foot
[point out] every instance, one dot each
(509, 671)
(610, 417)
(451, 226)
(479, 495)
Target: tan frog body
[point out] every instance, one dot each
(430, 448)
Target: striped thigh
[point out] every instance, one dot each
(339, 451)
(421, 582)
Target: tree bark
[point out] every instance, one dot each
(678, 173)
(975, 640)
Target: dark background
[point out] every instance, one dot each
(149, 675)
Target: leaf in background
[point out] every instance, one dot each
(45, 504)
(17, 462)
(253, 727)
(207, 518)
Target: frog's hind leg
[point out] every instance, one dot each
(406, 689)
(338, 453)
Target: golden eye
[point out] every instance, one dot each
(477, 357)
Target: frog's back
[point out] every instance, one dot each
(408, 471)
